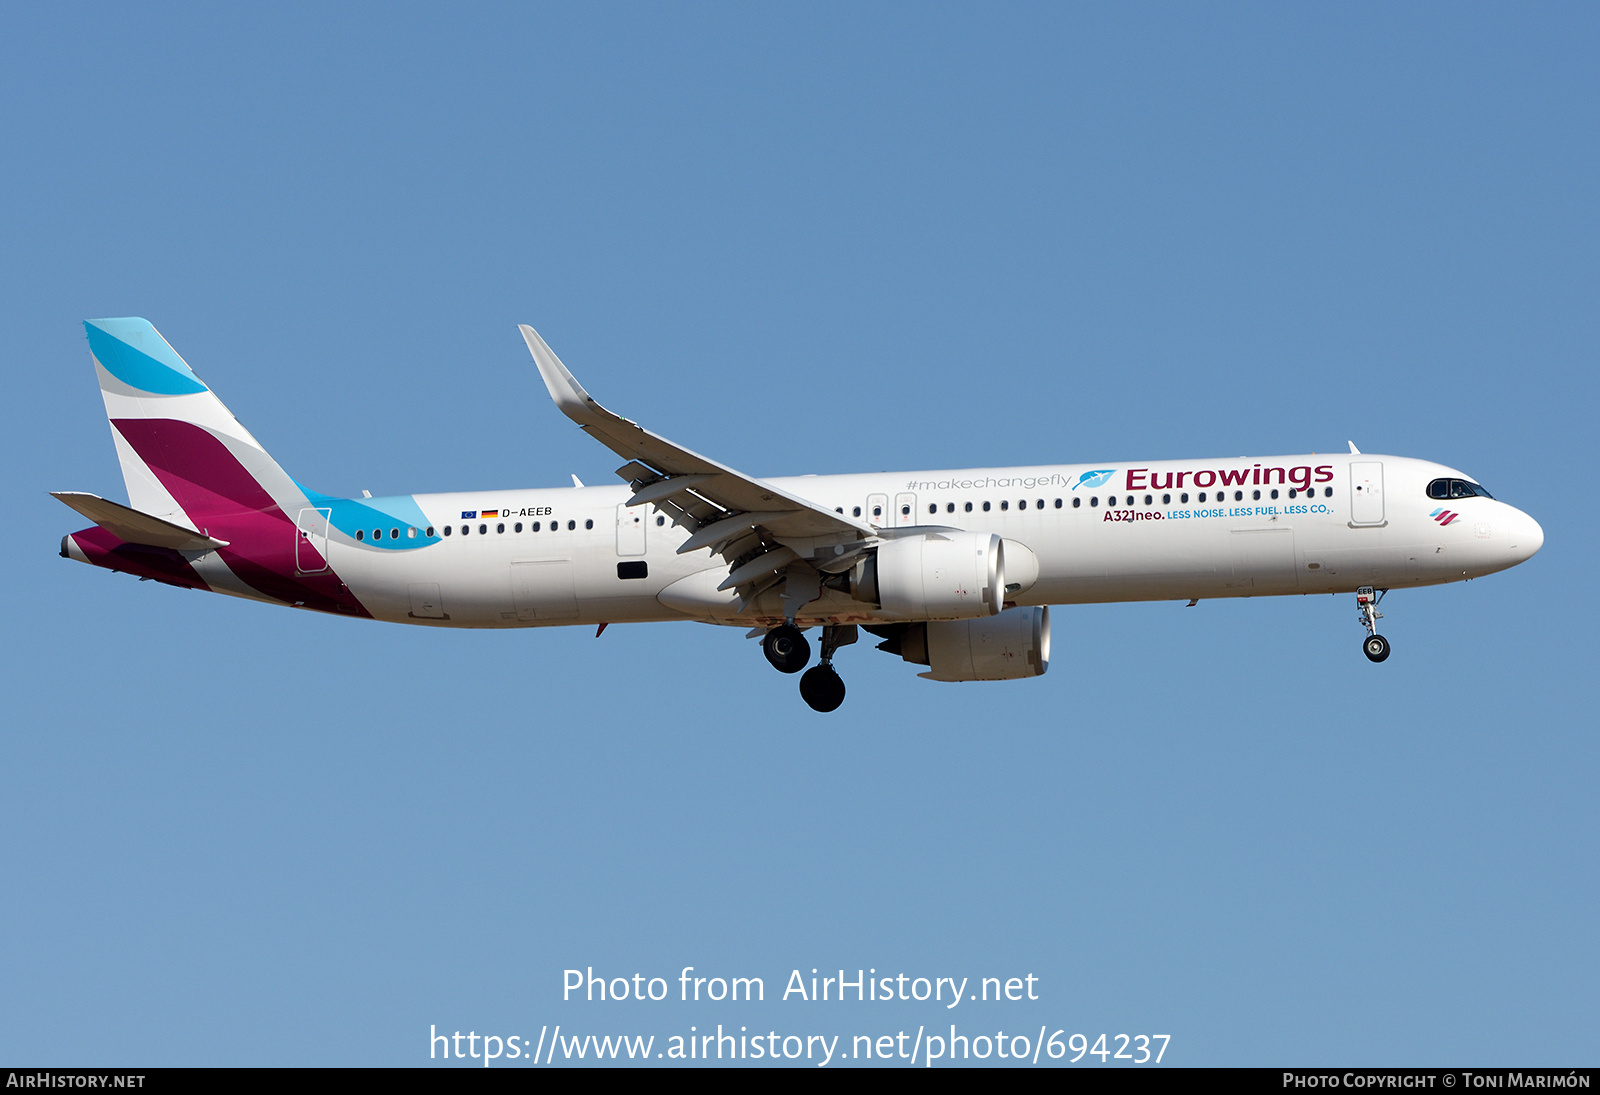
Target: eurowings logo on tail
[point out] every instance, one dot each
(1444, 516)
(1094, 478)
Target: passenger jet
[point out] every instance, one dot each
(952, 570)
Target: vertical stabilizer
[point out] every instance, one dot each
(185, 458)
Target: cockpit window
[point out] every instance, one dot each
(1456, 488)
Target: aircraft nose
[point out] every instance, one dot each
(1526, 538)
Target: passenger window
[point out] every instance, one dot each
(1148, 500)
(500, 528)
(1184, 498)
(1166, 499)
(394, 534)
(1003, 505)
(838, 509)
(1238, 495)
(1256, 495)
(905, 511)
(1274, 492)
(1022, 503)
(447, 530)
(1040, 504)
(933, 507)
(1076, 502)
(571, 525)
(856, 512)
(430, 530)
(659, 522)
(986, 507)
(589, 523)
(1111, 500)
(877, 511)
(483, 530)
(465, 529)
(518, 526)
(969, 507)
(1093, 501)
(950, 508)
(1327, 492)
(361, 534)
(1058, 502)
(534, 527)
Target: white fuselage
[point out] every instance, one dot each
(1142, 534)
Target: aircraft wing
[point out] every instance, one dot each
(732, 513)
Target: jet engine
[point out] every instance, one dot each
(1007, 647)
(937, 576)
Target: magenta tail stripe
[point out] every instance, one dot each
(224, 500)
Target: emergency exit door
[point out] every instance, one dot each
(905, 509)
(877, 507)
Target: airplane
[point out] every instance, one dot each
(952, 570)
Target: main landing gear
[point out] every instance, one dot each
(786, 648)
(788, 651)
(1374, 646)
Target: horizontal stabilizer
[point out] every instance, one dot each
(133, 527)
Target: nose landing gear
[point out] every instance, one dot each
(1374, 646)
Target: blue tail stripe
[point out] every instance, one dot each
(132, 351)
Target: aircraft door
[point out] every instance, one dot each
(905, 509)
(311, 541)
(878, 510)
(632, 521)
(1366, 493)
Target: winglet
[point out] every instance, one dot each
(1353, 450)
(568, 394)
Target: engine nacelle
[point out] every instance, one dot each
(1007, 647)
(938, 576)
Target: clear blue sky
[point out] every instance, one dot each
(829, 238)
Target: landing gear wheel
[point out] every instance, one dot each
(1375, 647)
(821, 688)
(786, 648)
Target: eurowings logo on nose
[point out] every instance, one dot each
(1094, 478)
(1444, 516)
